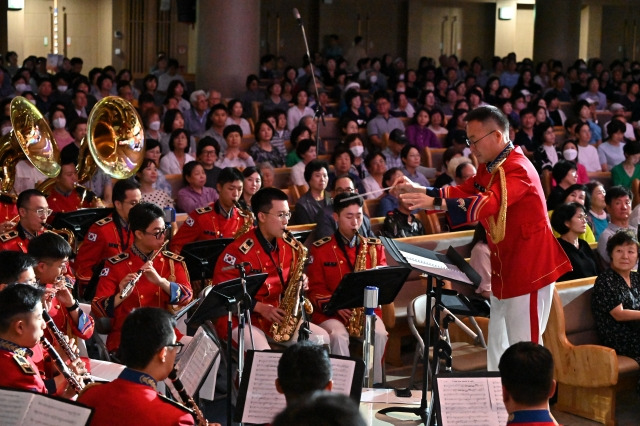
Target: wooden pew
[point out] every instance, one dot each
(603, 177)
(176, 183)
(589, 375)
(282, 177)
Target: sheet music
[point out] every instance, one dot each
(470, 401)
(24, 408)
(194, 363)
(435, 266)
(263, 402)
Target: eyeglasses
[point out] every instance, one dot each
(583, 217)
(159, 233)
(474, 143)
(176, 346)
(281, 215)
(345, 190)
(41, 212)
(211, 152)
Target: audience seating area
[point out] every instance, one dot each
(589, 375)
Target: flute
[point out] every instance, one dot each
(131, 284)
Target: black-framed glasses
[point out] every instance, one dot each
(177, 346)
(159, 233)
(281, 215)
(470, 142)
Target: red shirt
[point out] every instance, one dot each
(329, 264)
(249, 248)
(207, 223)
(167, 264)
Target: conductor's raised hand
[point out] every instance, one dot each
(404, 185)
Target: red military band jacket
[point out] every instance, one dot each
(329, 263)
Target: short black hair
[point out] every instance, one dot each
(256, 132)
(321, 409)
(120, 188)
(150, 143)
(231, 128)
(339, 202)
(615, 192)
(615, 126)
(579, 187)
(339, 150)
(314, 166)
(561, 169)
(262, 201)
(145, 331)
(18, 299)
(50, 246)
(631, 148)
(169, 117)
(229, 174)
(13, 264)
(460, 168)
(207, 141)
(304, 145)
(372, 156)
(142, 214)
(563, 213)
(187, 169)
(296, 379)
(175, 134)
(404, 153)
(526, 371)
(26, 195)
(619, 238)
(489, 113)
(381, 94)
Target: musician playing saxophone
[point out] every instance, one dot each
(267, 251)
(220, 219)
(51, 253)
(162, 282)
(148, 349)
(332, 258)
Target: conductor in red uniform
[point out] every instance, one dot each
(266, 250)
(149, 350)
(507, 198)
(164, 280)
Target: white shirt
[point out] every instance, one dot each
(170, 166)
(588, 157)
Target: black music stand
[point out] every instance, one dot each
(220, 300)
(350, 291)
(302, 236)
(201, 256)
(79, 221)
(453, 267)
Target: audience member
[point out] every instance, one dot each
(147, 176)
(236, 112)
(480, 260)
(587, 153)
(598, 217)
(263, 150)
(565, 175)
(306, 150)
(410, 156)
(251, 184)
(196, 116)
(545, 155)
(174, 161)
(153, 152)
(389, 202)
(355, 144)
(268, 174)
(401, 223)
(611, 152)
(194, 194)
(234, 156)
(625, 172)
(376, 166)
(207, 155)
(299, 109)
(397, 141)
(298, 134)
(618, 200)
(216, 123)
(419, 134)
(313, 201)
(383, 123)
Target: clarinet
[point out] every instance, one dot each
(60, 338)
(187, 400)
(76, 384)
(131, 284)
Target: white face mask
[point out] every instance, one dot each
(357, 150)
(373, 79)
(154, 125)
(6, 130)
(59, 123)
(570, 154)
(62, 89)
(21, 87)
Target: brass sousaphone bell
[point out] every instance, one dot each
(29, 139)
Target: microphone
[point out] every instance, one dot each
(296, 15)
(237, 266)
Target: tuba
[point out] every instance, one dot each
(30, 139)
(356, 321)
(114, 142)
(290, 303)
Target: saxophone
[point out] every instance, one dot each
(290, 302)
(247, 216)
(356, 321)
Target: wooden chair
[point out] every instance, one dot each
(376, 225)
(603, 177)
(545, 179)
(294, 194)
(282, 177)
(176, 183)
(434, 157)
(256, 108)
(370, 207)
(330, 129)
(635, 190)
(247, 142)
(431, 221)
(589, 375)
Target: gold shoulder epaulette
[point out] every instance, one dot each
(172, 255)
(322, 241)
(246, 246)
(8, 236)
(118, 258)
(373, 240)
(203, 210)
(289, 239)
(174, 403)
(104, 221)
